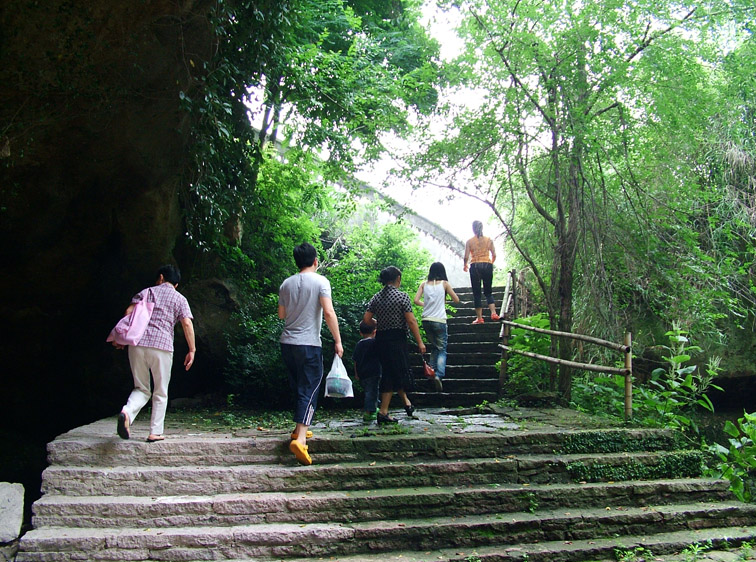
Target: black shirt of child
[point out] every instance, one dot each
(366, 360)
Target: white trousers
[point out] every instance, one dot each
(159, 362)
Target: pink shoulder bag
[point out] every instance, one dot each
(131, 327)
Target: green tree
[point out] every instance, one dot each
(321, 75)
(255, 373)
(585, 112)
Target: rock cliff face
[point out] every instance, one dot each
(93, 151)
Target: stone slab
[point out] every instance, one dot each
(11, 511)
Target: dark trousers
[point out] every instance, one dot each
(392, 353)
(305, 365)
(481, 273)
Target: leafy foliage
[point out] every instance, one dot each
(586, 140)
(320, 75)
(524, 374)
(255, 372)
(668, 399)
(737, 463)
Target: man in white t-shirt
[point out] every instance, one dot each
(303, 300)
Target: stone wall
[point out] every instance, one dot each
(93, 154)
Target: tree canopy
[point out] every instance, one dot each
(590, 141)
(325, 77)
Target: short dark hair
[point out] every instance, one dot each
(170, 273)
(437, 272)
(305, 255)
(366, 328)
(390, 274)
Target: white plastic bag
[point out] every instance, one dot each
(338, 384)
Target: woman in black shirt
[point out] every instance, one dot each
(390, 310)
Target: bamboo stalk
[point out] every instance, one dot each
(611, 345)
(629, 377)
(574, 364)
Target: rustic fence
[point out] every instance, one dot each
(509, 309)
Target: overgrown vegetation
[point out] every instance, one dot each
(677, 464)
(622, 173)
(296, 99)
(526, 375)
(669, 398)
(737, 462)
(619, 440)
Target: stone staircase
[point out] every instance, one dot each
(473, 351)
(458, 485)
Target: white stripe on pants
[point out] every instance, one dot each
(143, 360)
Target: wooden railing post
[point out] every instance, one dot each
(629, 377)
(505, 333)
(515, 307)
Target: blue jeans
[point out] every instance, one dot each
(370, 386)
(438, 336)
(305, 365)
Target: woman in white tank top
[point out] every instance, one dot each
(431, 295)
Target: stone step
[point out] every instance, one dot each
(362, 505)
(430, 398)
(401, 470)
(488, 329)
(465, 293)
(286, 540)
(471, 347)
(597, 549)
(462, 358)
(474, 384)
(466, 372)
(486, 342)
(96, 444)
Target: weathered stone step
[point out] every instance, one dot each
(484, 341)
(193, 450)
(276, 541)
(74, 449)
(465, 347)
(465, 317)
(347, 476)
(598, 549)
(487, 331)
(474, 384)
(463, 358)
(468, 375)
(465, 292)
(361, 505)
(425, 396)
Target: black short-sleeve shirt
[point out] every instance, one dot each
(388, 307)
(366, 360)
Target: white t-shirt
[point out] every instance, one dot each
(434, 302)
(300, 296)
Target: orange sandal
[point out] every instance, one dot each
(300, 451)
(294, 434)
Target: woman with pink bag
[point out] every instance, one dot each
(153, 353)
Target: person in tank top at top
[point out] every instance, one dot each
(479, 258)
(431, 295)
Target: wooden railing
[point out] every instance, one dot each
(510, 302)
